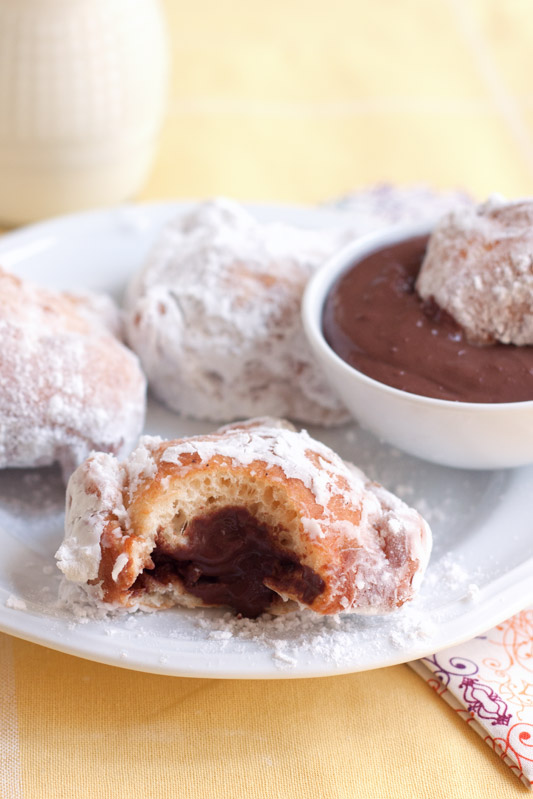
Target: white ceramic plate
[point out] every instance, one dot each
(481, 569)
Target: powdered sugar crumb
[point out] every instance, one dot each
(449, 571)
(412, 630)
(281, 654)
(15, 602)
(472, 593)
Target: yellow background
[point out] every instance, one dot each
(299, 102)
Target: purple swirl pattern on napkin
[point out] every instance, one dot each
(489, 682)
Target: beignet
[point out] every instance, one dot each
(67, 384)
(256, 517)
(479, 268)
(214, 317)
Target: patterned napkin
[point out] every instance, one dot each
(488, 681)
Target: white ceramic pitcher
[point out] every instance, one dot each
(82, 94)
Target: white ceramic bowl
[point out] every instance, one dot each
(467, 435)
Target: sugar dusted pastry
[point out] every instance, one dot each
(256, 517)
(67, 384)
(215, 318)
(479, 268)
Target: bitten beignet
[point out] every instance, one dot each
(256, 517)
(67, 384)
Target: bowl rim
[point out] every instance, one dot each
(319, 287)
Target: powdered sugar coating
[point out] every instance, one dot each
(214, 318)
(479, 268)
(214, 314)
(385, 204)
(93, 494)
(369, 547)
(67, 384)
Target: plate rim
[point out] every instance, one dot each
(516, 591)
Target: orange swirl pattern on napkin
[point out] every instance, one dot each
(489, 682)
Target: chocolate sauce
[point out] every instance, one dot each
(375, 321)
(230, 555)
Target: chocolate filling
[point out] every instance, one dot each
(228, 558)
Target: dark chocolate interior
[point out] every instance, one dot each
(228, 558)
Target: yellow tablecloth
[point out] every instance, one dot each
(293, 101)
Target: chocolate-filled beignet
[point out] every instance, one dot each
(256, 517)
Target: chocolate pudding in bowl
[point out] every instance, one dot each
(375, 320)
(406, 369)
